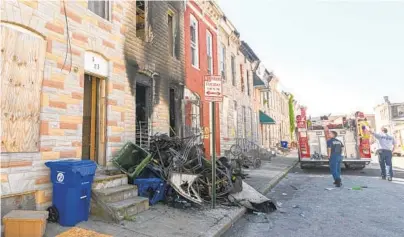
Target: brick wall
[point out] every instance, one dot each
(195, 76)
(62, 90)
(233, 93)
(153, 53)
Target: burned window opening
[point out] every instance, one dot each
(141, 20)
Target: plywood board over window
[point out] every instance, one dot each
(22, 64)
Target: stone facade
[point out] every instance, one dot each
(279, 111)
(112, 41)
(237, 110)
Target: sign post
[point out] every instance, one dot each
(213, 94)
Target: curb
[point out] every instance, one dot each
(227, 223)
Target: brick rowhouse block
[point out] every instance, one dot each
(70, 14)
(108, 44)
(68, 154)
(68, 126)
(53, 84)
(80, 37)
(55, 28)
(105, 26)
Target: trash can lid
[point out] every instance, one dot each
(84, 167)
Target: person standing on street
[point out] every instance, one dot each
(385, 149)
(334, 150)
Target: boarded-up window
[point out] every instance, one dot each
(22, 63)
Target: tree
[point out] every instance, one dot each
(291, 117)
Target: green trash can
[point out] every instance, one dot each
(131, 160)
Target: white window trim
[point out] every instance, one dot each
(174, 16)
(222, 60)
(195, 45)
(108, 10)
(209, 51)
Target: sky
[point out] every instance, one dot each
(334, 56)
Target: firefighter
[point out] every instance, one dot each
(385, 149)
(334, 150)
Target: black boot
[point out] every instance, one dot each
(338, 183)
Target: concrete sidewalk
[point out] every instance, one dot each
(164, 221)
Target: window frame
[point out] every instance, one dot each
(233, 69)
(209, 51)
(171, 13)
(223, 61)
(194, 45)
(248, 82)
(108, 10)
(145, 38)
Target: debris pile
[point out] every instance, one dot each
(187, 175)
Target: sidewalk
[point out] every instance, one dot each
(164, 221)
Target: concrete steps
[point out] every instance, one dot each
(130, 207)
(114, 199)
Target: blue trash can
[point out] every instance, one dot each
(152, 188)
(284, 144)
(72, 180)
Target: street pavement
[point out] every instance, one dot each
(311, 206)
(162, 220)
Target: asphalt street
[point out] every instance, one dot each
(311, 206)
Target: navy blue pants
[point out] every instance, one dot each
(386, 167)
(335, 166)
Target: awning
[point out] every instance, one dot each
(265, 119)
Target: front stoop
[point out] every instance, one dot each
(114, 199)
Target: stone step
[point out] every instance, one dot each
(116, 194)
(129, 207)
(102, 181)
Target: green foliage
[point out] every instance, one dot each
(291, 117)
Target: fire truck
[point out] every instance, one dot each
(352, 132)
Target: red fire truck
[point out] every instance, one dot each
(352, 132)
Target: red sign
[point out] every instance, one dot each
(213, 88)
(301, 124)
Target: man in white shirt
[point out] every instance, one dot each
(385, 149)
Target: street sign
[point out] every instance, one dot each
(213, 88)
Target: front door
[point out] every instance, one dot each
(93, 138)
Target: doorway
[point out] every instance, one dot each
(173, 114)
(93, 137)
(142, 115)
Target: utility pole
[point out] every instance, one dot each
(213, 155)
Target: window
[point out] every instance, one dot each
(235, 117)
(233, 69)
(225, 109)
(223, 61)
(209, 52)
(173, 39)
(194, 42)
(242, 77)
(252, 129)
(267, 94)
(244, 122)
(248, 83)
(100, 8)
(170, 23)
(141, 19)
